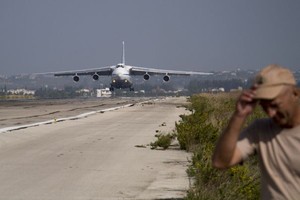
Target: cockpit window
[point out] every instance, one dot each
(119, 65)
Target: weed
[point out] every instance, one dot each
(163, 140)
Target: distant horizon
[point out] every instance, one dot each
(87, 76)
(49, 74)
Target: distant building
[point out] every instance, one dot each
(218, 90)
(84, 92)
(21, 92)
(237, 89)
(104, 92)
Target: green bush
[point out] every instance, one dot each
(198, 133)
(163, 141)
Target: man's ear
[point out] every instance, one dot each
(296, 92)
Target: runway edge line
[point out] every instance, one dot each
(80, 116)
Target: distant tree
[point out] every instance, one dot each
(198, 86)
(48, 93)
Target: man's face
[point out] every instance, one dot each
(281, 109)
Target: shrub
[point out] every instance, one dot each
(198, 133)
(163, 141)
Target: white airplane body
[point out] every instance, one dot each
(121, 74)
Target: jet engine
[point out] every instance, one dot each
(146, 77)
(95, 77)
(166, 78)
(76, 78)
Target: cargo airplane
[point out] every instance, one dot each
(121, 74)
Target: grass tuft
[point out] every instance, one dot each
(163, 141)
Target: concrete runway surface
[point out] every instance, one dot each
(96, 157)
(18, 112)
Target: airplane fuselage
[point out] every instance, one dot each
(121, 77)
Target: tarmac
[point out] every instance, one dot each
(99, 151)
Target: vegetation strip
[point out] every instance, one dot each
(198, 133)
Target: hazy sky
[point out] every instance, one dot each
(200, 35)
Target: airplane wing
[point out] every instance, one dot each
(152, 71)
(102, 71)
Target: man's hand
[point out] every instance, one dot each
(246, 103)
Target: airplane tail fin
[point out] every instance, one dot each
(123, 54)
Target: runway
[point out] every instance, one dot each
(19, 112)
(96, 157)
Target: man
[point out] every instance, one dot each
(276, 139)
